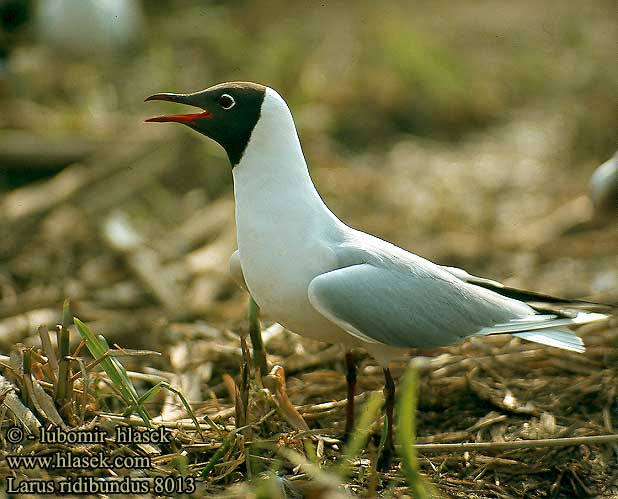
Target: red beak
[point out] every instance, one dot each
(187, 119)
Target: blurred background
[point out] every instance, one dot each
(466, 132)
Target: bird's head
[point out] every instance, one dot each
(230, 112)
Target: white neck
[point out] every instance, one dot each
(272, 185)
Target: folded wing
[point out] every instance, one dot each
(426, 309)
(521, 294)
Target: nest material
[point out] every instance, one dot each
(145, 264)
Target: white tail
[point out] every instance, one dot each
(547, 329)
(559, 338)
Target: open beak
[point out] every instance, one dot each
(187, 119)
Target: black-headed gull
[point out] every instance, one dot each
(322, 279)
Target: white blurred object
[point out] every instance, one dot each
(88, 26)
(603, 189)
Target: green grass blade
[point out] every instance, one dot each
(358, 438)
(406, 424)
(164, 384)
(66, 313)
(113, 368)
(63, 387)
(255, 332)
(221, 451)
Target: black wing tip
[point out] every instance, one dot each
(534, 297)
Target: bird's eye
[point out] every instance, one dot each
(226, 101)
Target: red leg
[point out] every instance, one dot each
(388, 452)
(350, 376)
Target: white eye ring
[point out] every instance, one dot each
(226, 101)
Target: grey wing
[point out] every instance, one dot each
(405, 309)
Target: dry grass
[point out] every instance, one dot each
(137, 231)
(148, 282)
(530, 413)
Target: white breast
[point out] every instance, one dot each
(284, 229)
